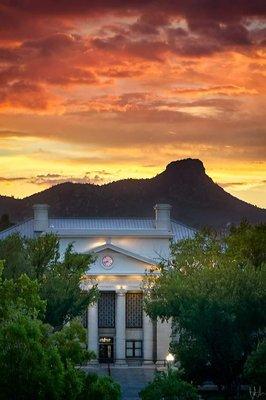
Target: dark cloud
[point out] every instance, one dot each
(239, 184)
(55, 179)
(12, 179)
(24, 94)
(230, 184)
(223, 9)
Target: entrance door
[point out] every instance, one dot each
(106, 350)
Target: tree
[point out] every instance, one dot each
(168, 386)
(100, 387)
(248, 243)
(58, 276)
(30, 367)
(255, 366)
(216, 296)
(35, 361)
(14, 253)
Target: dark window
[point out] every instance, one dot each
(134, 348)
(134, 310)
(106, 310)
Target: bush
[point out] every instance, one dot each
(100, 388)
(169, 386)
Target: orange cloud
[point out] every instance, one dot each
(91, 84)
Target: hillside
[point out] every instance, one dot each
(196, 199)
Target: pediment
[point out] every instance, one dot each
(124, 262)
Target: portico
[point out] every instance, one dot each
(130, 339)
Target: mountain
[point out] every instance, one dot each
(196, 199)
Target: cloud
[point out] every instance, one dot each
(119, 82)
(221, 90)
(242, 185)
(11, 179)
(55, 179)
(231, 184)
(21, 94)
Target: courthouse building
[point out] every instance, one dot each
(126, 248)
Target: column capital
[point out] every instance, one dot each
(121, 291)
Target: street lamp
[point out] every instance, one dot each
(169, 360)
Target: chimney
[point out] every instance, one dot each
(162, 217)
(41, 217)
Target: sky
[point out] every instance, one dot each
(96, 91)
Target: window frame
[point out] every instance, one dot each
(133, 348)
(114, 302)
(140, 326)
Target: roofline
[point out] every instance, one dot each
(145, 218)
(65, 233)
(96, 232)
(15, 225)
(184, 225)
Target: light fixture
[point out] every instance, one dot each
(170, 358)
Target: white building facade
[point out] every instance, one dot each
(126, 249)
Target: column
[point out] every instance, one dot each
(93, 330)
(164, 331)
(147, 339)
(120, 347)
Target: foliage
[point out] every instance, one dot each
(168, 386)
(13, 251)
(19, 296)
(248, 243)
(30, 367)
(69, 342)
(58, 277)
(255, 367)
(100, 387)
(215, 292)
(35, 361)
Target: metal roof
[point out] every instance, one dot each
(25, 228)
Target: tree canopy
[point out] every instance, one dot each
(58, 276)
(214, 289)
(37, 361)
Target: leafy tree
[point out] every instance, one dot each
(248, 243)
(58, 276)
(216, 296)
(168, 386)
(30, 368)
(100, 387)
(20, 296)
(255, 367)
(68, 341)
(14, 252)
(35, 361)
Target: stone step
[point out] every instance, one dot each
(131, 379)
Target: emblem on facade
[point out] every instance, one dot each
(107, 262)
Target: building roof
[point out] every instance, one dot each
(103, 225)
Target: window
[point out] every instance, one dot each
(134, 348)
(106, 310)
(134, 310)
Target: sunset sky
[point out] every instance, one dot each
(95, 91)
